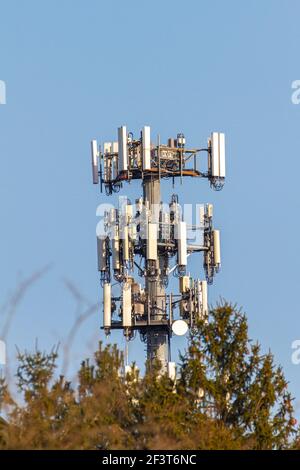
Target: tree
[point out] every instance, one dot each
(225, 375)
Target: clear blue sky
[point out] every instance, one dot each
(75, 70)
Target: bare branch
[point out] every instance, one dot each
(17, 296)
(80, 319)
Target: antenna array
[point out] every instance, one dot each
(153, 239)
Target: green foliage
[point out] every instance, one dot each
(241, 388)
(35, 372)
(227, 396)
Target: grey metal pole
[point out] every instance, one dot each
(157, 340)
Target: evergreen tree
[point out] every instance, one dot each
(229, 380)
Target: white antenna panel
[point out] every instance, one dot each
(114, 150)
(146, 144)
(116, 249)
(129, 211)
(217, 248)
(114, 147)
(222, 155)
(107, 147)
(127, 307)
(218, 154)
(125, 244)
(95, 155)
(201, 215)
(204, 301)
(107, 305)
(132, 231)
(182, 245)
(152, 242)
(184, 284)
(215, 167)
(122, 146)
(210, 210)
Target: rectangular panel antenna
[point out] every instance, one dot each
(115, 150)
(125, 243)
(222, 154)
(217, 249)
(95, 155)
(114, 147)
(146, 144)
(126, 305)
(122, 144)
(182, 245)
(107, 305)
(106, 147)
(215, 165)
(217, 144)
(204, 298)
(152, 242)
(115, 244)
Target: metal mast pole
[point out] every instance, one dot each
(157, 338)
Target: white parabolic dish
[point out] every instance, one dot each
(179, 327)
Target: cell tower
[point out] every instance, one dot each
(152, 237)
